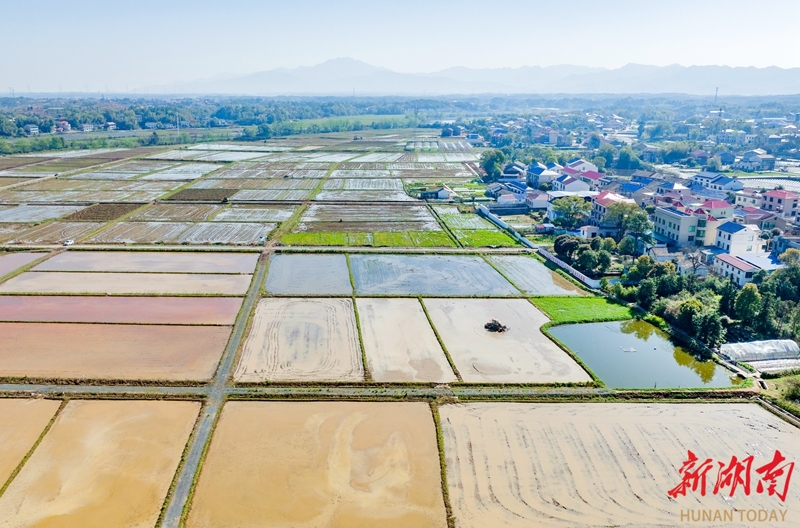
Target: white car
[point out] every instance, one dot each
(69, 242)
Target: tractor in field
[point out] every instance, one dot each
(495, 326)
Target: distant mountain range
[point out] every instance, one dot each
(345, 76)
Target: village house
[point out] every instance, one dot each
(756, 160)
(783, 203)
(600, 205)
(748, 198)
(569, 183)
(737, 270)
(738, 239)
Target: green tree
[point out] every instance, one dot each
(617, 215)
(492, 163)
(627, 159)
(646, 295)
(609, 244)
(608, 152)
(638, 226)
(747, 302)
(565, 246)
(587, 260)
(641, 269)
(571, 211)
(603, 260)
(627, 246)
(790, 257)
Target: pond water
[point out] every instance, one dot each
(636, 354)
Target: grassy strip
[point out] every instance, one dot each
(350, 273)
(26, 267)
(200, 463)
(33, 447)
(439, 339)
(565, 309)
(437, 421)
(484, 238)
(498, 270)
(179, 468)
(432, 239)
(444, 226)
(367, 373)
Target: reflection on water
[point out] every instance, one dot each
(636, 354)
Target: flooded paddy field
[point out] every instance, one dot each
(533, 277)
(176, 213)
(138, 310)
(36, 213)
(636, 354)
(103, 463)
(127, 283)
(105, 351)
(602, 464)
(55, 233)
(140, 233)
(332, 464)
(147, 261)
(363, 196)
(308, 275)
(427, 275)
(294, 339)
(399, 343)
(366, 213)
(254, 214)
(227, 233)
(522, 354)
(23, 421)
(13, 261)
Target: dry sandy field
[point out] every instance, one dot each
(520, 355)
(533, 277)
(427, 275)
(603, 464)
(127, 283)
(103, 464)
(399, 343)
(166, 262)
(12, 261)
(107, 351)
(138, 310)
(301, 340)
(23, 421)
(308, 275)
(321, 464)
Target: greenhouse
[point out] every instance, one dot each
(766, 356)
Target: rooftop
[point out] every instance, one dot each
(736, 262)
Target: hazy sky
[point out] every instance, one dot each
(115, 45)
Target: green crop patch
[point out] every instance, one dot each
(582, 309)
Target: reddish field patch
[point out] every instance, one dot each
(142, 310)
(151, 262)
(11, 261)
(101, 351)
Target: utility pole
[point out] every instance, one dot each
(716, 93)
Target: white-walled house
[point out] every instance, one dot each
(739, 271)
(738, 239)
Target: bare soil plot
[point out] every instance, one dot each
(9, 230)
(365, 227)
(102, 464)
(254, 214)
(271, 194)
(4, 181)
(102, 212)
(363, 196)
(533, 277)
(55, 233)
(233, 233)
(176, 213)
(301, 340)
(11, 162)
(399, 343)
(36, 213)
(371, 184)
(140, 233)
(23, 421)
(332, 464)
(609, 464)
(151, 261)
(110, 351)
(127, 283)
(366, 213)
(12, 261)
(296, 274)
(427, 275)
(140, 310)
(522, 354)
(202, 195)
(67, 184)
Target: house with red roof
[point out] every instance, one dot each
(782, 203)
(739, 271)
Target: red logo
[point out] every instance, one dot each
(773, 477)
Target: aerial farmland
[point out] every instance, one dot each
(279, 333)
